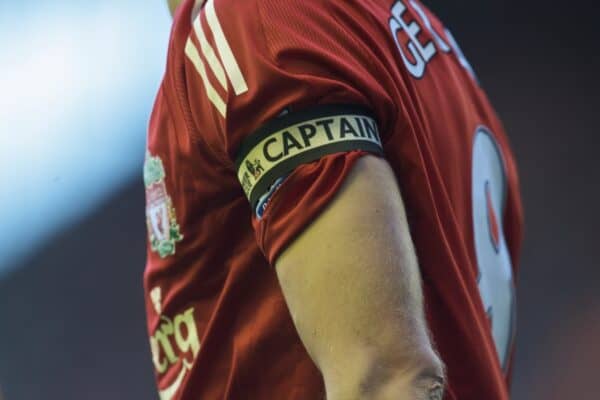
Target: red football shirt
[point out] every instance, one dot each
(264, 108)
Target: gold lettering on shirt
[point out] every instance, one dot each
(174, 344)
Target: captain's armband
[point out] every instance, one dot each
(284, 143)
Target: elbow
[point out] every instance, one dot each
(420, 377)
(429, 381)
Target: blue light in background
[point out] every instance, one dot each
(77, 82)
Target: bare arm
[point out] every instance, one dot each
(352, 284)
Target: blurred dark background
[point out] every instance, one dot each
(72, 322)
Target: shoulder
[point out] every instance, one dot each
(236, 23)
(229, 12)
(271, 19)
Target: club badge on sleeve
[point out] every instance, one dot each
(163, 229)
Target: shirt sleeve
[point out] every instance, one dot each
(288, 97)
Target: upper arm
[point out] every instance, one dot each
(335, 228)
(352, 282)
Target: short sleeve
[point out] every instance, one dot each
(288, 96)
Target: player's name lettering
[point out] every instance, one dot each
(295, 139)
(417, 52)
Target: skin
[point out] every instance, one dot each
(173, 4)
(353, 287)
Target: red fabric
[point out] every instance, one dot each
(217, 319)
(304, 194)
